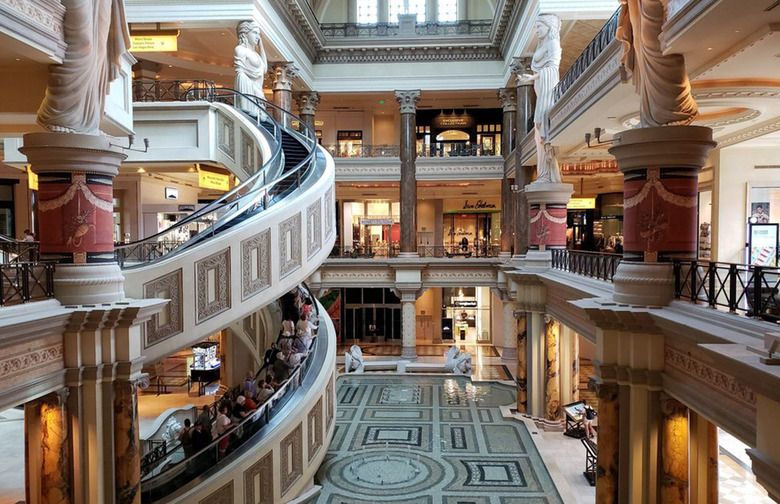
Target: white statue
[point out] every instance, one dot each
(353, 360)
(251, 64)
(172, 430)
(545, 66)
(97, 37)
(457, 362)
(660, 79)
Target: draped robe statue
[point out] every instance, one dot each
(97, 37)
(545, 66)
(661, 80)
(251, 64)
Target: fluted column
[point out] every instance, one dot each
(552, 404)
(307, 102)
(284, 73)
(76, 210)
(525, 100)
(127, 450)
(408, 325)
(48, 449)
(509, 350)
(508, 98)
(674, 452)
(407, 101)
(522, 357)
(608, 444)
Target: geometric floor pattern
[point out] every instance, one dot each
(430, 440)
(424, 350)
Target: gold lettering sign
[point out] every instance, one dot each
(32, 180)
(211, 180)
(153, 43)
(581, 204)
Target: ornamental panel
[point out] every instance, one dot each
(255, 264)
(259, 481)
(226, 141)
(290, 245)
(314, 228)
(330, 205)
(212, 285)
(248, 160)
(169, 322)
(291, 458)
(224, 495)
(314, 422)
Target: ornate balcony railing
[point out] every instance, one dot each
(738, 288)
(436, 149)
(21, 282)
(599, 43)
(379, 30)
(599, 265)
(12, 251)
(438, 251)
(144, 252)
(172, 90)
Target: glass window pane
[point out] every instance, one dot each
(367, 11)
(447, 11)
(396, 7)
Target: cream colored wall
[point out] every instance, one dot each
(385, 132)
(425, 305)
(345, 120)
(497, 320)
(735, 168)
(426, 216)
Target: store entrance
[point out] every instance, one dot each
(466, 315)
(378, 237)
(371, 316)
(471, 234)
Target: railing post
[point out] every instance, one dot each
(694, 276)
(26, 282)
(713, 291)
(733, 287)
(757, 298)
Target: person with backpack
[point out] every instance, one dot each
(588, 415)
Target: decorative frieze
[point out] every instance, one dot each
(226, 142)
(169, 321)
(290, 245)
(255, 264)
(314, 228)
(28, 360)
(212, 285)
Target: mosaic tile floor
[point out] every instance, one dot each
(383, 349)
(430, 440)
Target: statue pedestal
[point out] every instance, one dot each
(76, 210)
(660, 205)
(547, 219)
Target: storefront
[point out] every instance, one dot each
(473, 132)
(371, 227)
(595, 223)
(472, 226)
(371, 316)
(466, 315)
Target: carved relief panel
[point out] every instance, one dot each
(291, 458)
(169, 321)
(255, 264)
(314, 228)
(290, 245)
(212, 285)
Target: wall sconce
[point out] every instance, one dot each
(596, 133)
(130, 141)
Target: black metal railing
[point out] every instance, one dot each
(21, 282)
(600, 42)
(436, 149)
(143, 252)
(12, 251)
(360, 252)
(599, 265)
(172, 90)
(738, 288)
(433, 29)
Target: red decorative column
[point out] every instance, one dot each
(76, 176)
(547, 221)
(660, 204)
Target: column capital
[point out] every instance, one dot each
(508, 99)
(408, 100)
(283, 73)
(307, 101)
(520, 66)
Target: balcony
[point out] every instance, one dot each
(339, 31)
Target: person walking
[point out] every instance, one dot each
(587, 419)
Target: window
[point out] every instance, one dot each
(367, 12)
(447, 11)
(415, 7)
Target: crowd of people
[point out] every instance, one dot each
(296, 335)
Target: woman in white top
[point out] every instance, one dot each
(304, 328)
(288, 328)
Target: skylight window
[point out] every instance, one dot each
(447, 11)
(367, 11)
(397, 7)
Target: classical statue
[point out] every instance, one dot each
(661, 80)
(457, 362)
(544, 65)
(251, 64)
(353, 360)
(97, 37)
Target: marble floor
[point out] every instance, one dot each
(430, 440)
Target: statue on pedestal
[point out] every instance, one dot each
(545, 66)
(660, 79)
(97, 37)
(251, 64)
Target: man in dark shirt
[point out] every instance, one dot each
(199, 437)
(281, 367)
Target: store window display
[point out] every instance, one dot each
(466, 315)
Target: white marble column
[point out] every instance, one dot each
(408, 325)
(509, 347)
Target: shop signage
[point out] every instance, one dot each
(763, 244)
(186, 208)
(453, 121)
(581, 204)
(317, 123)
(154, 43)
(465, 304)
(376, 222)
(32, 180)
(211, 180)
(479, 205)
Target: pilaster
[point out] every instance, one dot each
(508, 99)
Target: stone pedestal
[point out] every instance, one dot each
(76, 176)
(48, 449)
(608, 443)
(407, 100)
(521, 374)
(509, 348)
(547, 220)
(284, 73)
(674, 452)
(660, 197)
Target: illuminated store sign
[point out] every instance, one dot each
(453, 121)
(581, 204)
(156, 42)
(465, 304)
(211, 180)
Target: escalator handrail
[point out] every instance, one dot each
(244, 201)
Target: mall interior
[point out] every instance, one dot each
(408, 251)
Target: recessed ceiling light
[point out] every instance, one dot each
(709, 48)
(18, 59)
(170, 66)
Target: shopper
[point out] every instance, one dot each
(587, 419)
(205, 419)
(200, 437)
(249, 383)
(223, 425)
(282, 367)
(185, 438)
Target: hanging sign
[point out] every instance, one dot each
(154, 42)
(581, 204)
(211, 180)
(32, 179)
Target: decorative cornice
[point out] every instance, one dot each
(449, 52)
(407, 100)
(747, 134)
(389, 169)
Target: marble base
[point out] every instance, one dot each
(409, 353)
(544, 192)
(647, 284)
(505, 256)
(88, 284)
(537, 260)
(509, 354)
(408, 255)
